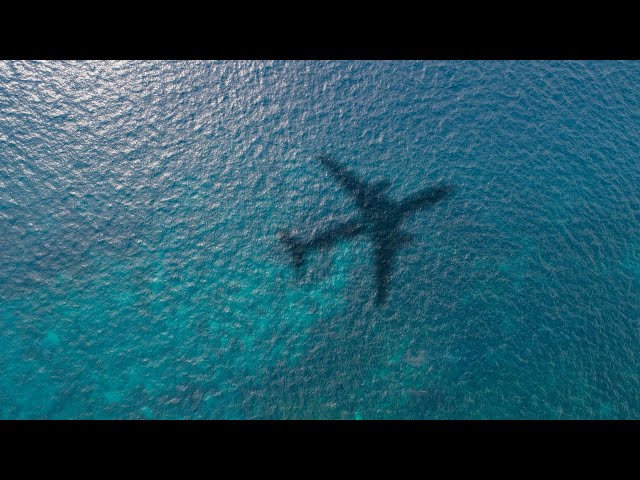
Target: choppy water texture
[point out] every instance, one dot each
(140, 275)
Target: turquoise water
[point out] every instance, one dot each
(141, 277)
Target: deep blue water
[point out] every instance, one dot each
(141, 277)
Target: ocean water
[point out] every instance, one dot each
(141, 276)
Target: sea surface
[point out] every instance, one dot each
(141, 276)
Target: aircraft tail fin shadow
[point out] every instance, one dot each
(295, 247)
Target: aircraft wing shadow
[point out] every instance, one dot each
(425, 198)
(355, 185)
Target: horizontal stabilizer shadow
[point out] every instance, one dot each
(295, 247)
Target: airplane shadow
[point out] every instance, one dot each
(380, 218)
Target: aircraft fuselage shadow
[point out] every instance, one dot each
(381, 218)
